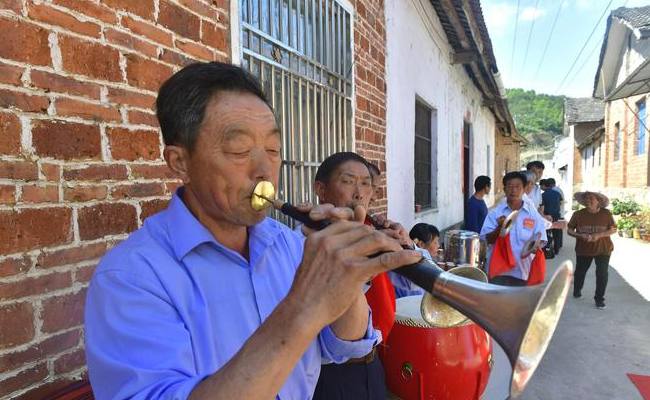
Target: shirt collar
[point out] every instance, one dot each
(528, 204)
(186, 232)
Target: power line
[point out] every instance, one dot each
(598, 44)
(541, 61)
(585, 62)
(584, 45)
(514, 39)
(530, 34)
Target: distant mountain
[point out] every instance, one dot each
(539, 118)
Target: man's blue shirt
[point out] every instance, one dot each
(169, 306)
(475, 216)
(551, 200)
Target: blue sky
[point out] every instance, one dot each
(575, 22)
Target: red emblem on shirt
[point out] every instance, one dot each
(529, 223)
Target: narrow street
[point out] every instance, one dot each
(593, 350)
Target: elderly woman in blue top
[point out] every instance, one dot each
(211, 299)
(528, 223)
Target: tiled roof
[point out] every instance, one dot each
(583, 109)
(636, 18)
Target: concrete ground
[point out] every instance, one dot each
(593, 349)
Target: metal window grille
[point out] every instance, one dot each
(301, 50)
(640, 146)
(425, 165)
(617, 143)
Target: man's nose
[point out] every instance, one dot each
(262, 167)
(357, 192)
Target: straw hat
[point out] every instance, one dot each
(581, 197)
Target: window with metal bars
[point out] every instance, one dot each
(640, 144)
(617, 141)
(425, 156)
(301, 50)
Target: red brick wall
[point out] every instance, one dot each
(631, 170)
(370, 86)
(80, 158)
(80, 155)
(506, 159)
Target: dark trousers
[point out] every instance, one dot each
(557, 239)
(582, 266)
(507, 280)
(554, 240)
(351, 382)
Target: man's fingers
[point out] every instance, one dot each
(305, 207)
(389, 261)
(320, 212)
(359, 212)
(391, 233)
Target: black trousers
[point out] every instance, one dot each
(352, 382)
(582, 266)
(557, 239)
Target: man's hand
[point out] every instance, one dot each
(394, 230)
(492, 236)
(335, 262)
(559, 224)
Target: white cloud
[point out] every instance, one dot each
(531, 13)
(499, 17)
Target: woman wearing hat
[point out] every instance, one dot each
(592, 228)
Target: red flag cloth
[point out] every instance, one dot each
(381, 299)
(642, 383)
(537, 269)
(502, 259)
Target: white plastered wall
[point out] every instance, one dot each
(418, 64)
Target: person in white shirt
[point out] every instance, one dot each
(528, 223)
(536, 167)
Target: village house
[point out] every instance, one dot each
(623, 81)
(583, 127)
(447, 112)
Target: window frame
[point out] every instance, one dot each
(430, 141)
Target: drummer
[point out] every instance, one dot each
(527, 224)
(344, 180)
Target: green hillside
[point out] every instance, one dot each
(539, 118)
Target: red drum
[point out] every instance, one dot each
(422, 362)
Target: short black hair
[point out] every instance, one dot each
(551, 181)
(374, 170)
(331, 163)
(424, 232)
(543, 182)
(537, 164)
(183, 98)
(481, 182)
(514, 175)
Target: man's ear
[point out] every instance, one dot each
(178, 159)
(320, 191)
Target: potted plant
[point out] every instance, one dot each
(625, 226)
(644, 225)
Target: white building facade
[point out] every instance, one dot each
(420, 69)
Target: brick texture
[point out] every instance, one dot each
(370, 64)
(80, 159)
(77, 107)
(630, 170)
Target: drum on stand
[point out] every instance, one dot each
(422, 362)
